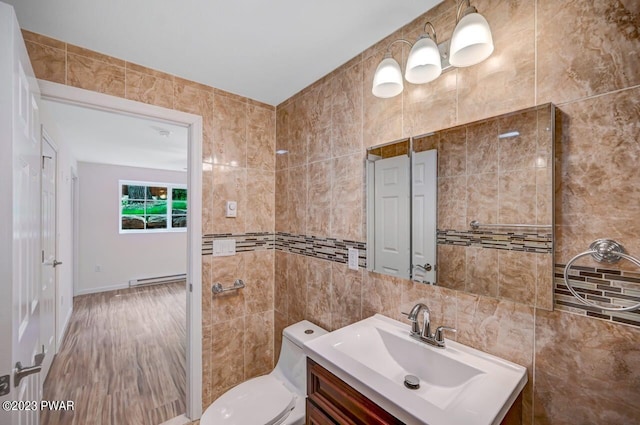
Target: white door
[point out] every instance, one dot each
(49, 258)
(392, 216)
(424, 175)
(20, 228)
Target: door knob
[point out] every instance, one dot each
(23, 372)
(56, 263)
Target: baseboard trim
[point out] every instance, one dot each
(65, 327)
(101, 289)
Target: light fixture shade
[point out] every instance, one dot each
(471, 42)
(424, 64)
(387, 81)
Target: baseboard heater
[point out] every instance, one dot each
(157, 280)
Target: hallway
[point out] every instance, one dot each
(122, 360)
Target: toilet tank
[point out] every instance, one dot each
(292, 364)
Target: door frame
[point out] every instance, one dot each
(46, 138)
(76, 96)
(75, 230)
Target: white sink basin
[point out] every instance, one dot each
(458, 384)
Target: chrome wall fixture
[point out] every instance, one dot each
(218, 289)
(470, 44)
(475, 225)
(606, 251)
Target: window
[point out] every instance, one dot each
(152, 207)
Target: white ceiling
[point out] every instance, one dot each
(266, 50)
(108, 138)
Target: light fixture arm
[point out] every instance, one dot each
(470, 9)
(430, 31)
(400, 40)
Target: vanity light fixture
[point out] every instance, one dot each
(470, 44)
(387, 81)
(424, 63)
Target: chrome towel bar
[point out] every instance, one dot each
(603, 251)
(218, 289)
(475, 224)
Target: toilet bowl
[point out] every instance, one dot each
(274, 399)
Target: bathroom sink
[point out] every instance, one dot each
(458, 384)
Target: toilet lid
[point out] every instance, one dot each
(259, 401)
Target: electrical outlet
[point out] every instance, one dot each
(353, 258)
(98, 268)
(224, 247)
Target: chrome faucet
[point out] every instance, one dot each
(424, 335)
(426, 323)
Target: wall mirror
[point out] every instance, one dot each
(468, 208)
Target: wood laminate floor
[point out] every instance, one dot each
(122, 360)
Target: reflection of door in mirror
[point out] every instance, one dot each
(482, 220)
(388, 204)
(424, 188)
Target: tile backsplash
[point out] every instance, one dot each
(604, 286)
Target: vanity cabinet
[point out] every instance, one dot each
(316, 416)
(331, 401)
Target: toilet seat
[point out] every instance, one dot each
(259, 401)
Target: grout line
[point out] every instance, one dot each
(533, 365)
(595, 96)
(535, 53)
(457, 121)
(246, 136)
(331, 171)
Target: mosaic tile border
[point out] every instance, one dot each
(244, 241)
(540, 242)
(336, 249)
(614, 287)
(324, 248)
(331, 249)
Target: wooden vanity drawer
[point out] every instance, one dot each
(316, 416)
(339, 401)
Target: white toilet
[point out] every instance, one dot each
(273, 399)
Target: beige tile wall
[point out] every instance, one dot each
(238, 164)
(584, 57)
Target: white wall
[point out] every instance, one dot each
(64, 224)
(121, 257)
